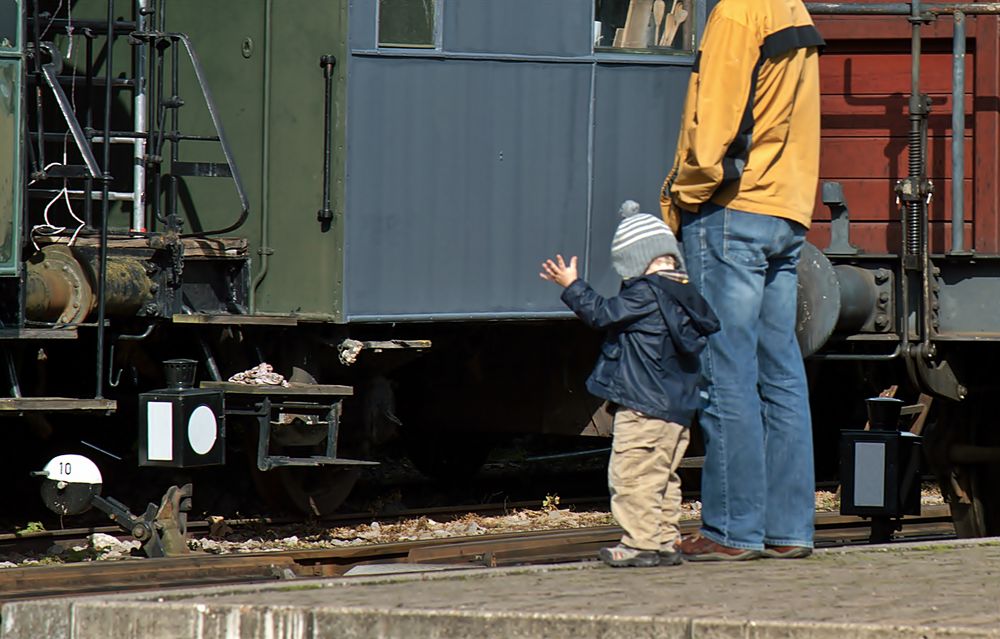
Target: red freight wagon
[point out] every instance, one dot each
(910, 124)
(866, 83)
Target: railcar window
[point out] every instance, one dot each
(406, 23)
(644, 26)
(9, 15)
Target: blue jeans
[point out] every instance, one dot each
(758, 482)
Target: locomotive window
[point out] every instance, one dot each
(406, 23)
(644, 26)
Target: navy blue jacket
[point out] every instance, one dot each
(656, 327)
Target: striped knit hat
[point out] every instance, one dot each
(640, 239)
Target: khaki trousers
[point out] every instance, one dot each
(642, 477)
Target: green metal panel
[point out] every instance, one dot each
(305, 271)
(229, 39)
(262, 61)
(11, 77)
(10, 164)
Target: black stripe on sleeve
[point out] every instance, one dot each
(739, 149)
(790, 39)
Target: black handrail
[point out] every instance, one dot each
(105, 203)
(327, 62)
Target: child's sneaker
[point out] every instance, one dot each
(621, 556)
(671, 555)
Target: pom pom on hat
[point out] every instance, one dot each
(629, 208)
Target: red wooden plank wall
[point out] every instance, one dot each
(865, 86)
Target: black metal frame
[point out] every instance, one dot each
(263, 409)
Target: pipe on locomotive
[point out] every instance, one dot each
(61, 285)
(902, 8)
(958, 135)
(102, 269)
(139, 62)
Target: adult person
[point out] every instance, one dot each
(742, 188)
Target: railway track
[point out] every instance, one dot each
(42, 539)
(552, 546)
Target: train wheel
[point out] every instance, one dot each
(963, 451)
(969, 516)
(446, 456)
(312, 491)
(974, 499)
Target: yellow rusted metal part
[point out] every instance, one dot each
(61, 288)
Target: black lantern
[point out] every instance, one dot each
(879, 468)
(182, 426)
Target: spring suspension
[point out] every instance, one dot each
(914, 227)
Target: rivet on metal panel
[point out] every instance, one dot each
(247, 47)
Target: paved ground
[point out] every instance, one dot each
(926, 591)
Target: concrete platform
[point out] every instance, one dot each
(930, 591)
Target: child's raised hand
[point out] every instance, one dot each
(559, 272)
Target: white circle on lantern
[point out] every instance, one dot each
(202, 430)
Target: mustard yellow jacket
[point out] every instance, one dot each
(749, 137)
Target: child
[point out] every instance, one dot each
(649, 371)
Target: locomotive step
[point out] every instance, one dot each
(68, 332)
(235, 320)
(292, 390)
(276, 461)
(61, 404)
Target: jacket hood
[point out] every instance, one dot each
(703, 318)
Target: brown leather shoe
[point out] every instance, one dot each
(698, 548)
(787, 552)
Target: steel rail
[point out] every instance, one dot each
(68, 537)
(550, 546)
